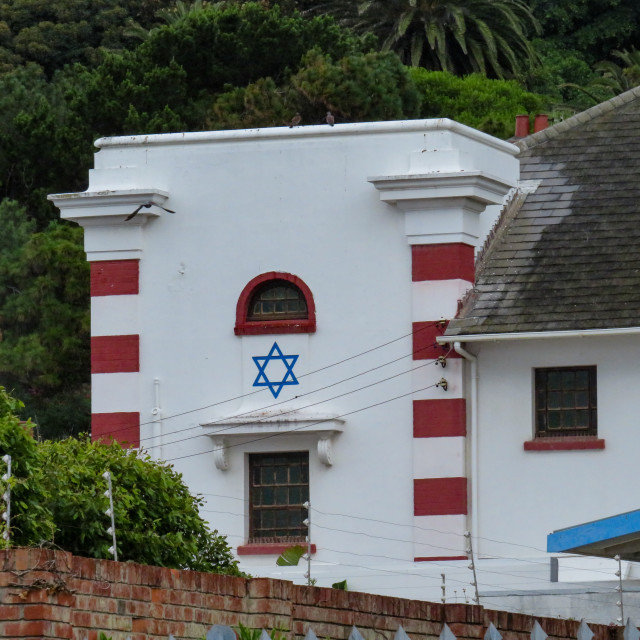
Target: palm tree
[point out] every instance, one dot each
(461, 36)
(620, 78)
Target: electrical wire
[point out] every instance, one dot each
(312, 424)
(295, 409)
(542, 563)
(329, 366)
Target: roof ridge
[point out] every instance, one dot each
(507, 213)
(578, 119)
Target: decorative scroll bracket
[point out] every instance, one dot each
(285, 423)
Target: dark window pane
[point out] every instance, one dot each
(554, 380)
(268, 519)
(281, 474)
(582, 379)
(582, 419)
(568, 379)
(554, 419)
(279, 486)
(282, 495)
(553, 400)
(566, 401)
(277, 300)
(582, 399)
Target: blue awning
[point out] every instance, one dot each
(616, 535)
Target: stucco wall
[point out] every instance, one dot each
(549, 490)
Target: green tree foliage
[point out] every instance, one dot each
(620, 77)
(592, 28)
(462, 36)
(360, 87)
(53, 34)
(556, 77)
(171, 79)
(44, 318)
(45, 144)
(488, 105)
(58, 498)
(30, 517)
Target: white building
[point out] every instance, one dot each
(280, 338)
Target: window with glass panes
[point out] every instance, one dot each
(278, 487)
(277, 300)
(566, 402)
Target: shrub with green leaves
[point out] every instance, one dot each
(477, 101)
(58, 498)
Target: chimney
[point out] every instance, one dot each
(522, 126)
(540, 123)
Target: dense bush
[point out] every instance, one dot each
(57, 492)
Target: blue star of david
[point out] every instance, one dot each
(262, 380)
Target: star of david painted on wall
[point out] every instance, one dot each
(280, 366)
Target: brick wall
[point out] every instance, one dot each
(48, 594)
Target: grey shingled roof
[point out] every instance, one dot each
(567, 256)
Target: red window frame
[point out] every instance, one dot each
(246, 327)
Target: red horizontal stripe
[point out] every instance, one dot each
(425, 346)
(115, 277)
(441, 558)
(115, 354)
(446, 417)
(440, 496)
(123, 427)
(442, 262)
(564, 443)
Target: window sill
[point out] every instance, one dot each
(273, 327)
(564, 443)
(269, 548)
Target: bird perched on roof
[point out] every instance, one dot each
(329, 119)
(146, 205)
(295, 121)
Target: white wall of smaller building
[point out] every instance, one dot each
(524, 495)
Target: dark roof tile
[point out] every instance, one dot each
(568, 255)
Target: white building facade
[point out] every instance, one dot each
(270, 322)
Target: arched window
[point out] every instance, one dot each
(275, 303)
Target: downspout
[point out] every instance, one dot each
(474, 440)
(158, 431)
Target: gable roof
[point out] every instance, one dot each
(565, 254)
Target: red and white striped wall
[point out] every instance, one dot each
(115, 351)
(441, 273)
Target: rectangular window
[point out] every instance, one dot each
(566, 402)
(278, 487)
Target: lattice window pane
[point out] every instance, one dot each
(566, 401)
(277, 300)
(279, 486)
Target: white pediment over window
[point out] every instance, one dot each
(272, 424)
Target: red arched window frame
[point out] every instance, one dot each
(246, 327)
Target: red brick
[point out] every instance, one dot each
(425, 346)
(115, 354)
(45, 612)
(62, 631)
(442, 262)
(38, 628)
(114, 277)
(121, 426)
(442, 417)
(10, 612)
(439, 496)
